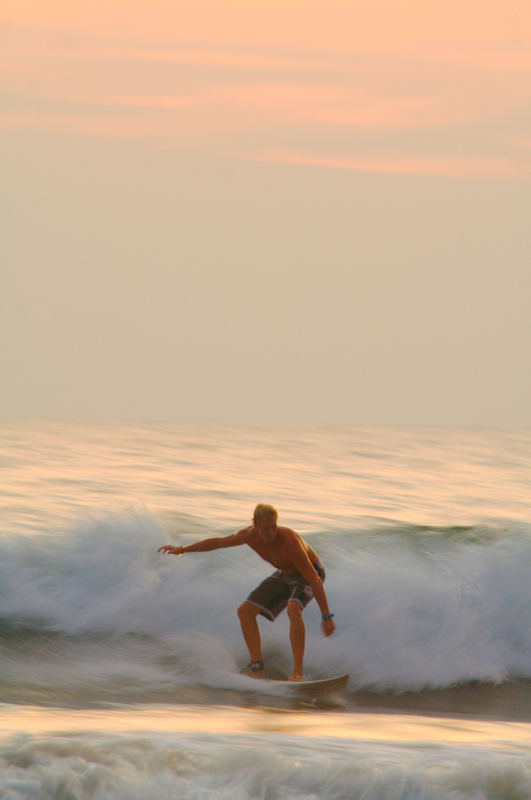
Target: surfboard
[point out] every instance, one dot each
(322, 686)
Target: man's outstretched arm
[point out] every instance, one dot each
(205, 545)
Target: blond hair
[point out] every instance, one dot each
(264, 513)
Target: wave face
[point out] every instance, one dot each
(97, 607)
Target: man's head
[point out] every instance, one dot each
(265, 521)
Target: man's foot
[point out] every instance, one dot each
(296, 676)
(255, 669)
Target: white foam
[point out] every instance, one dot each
(133, 767)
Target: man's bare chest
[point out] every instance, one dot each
(275, 555)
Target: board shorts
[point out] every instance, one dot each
(273, 594)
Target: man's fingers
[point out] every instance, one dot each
(328, 627)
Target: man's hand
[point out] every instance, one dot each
(172, 549)
(328, 627)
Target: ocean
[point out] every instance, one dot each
(119, 666)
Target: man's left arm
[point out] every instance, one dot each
(300, 559)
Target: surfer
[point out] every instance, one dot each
(298, 577)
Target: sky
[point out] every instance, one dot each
(264, 211)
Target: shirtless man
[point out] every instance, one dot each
(299, 576)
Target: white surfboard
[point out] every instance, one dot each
(322, 686)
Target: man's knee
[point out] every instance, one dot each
(294, 610)
(247, 611)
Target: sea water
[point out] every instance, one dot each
(119, 665)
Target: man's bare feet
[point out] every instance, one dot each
(297, 676)
(254, 673)
(254, 670)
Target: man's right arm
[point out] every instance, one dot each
(205, 545)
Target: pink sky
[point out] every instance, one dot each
(384, 86)
(267, 210)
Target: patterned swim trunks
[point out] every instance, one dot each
(273, 594)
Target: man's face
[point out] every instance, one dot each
(267, 530)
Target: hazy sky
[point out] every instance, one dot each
(266, 210)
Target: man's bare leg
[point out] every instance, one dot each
(247, 613)
(297, 635)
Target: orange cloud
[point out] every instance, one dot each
(332, 24)
(80, 123)
(233, 77)
(351, 105)
(443, 166)
(149, 102)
